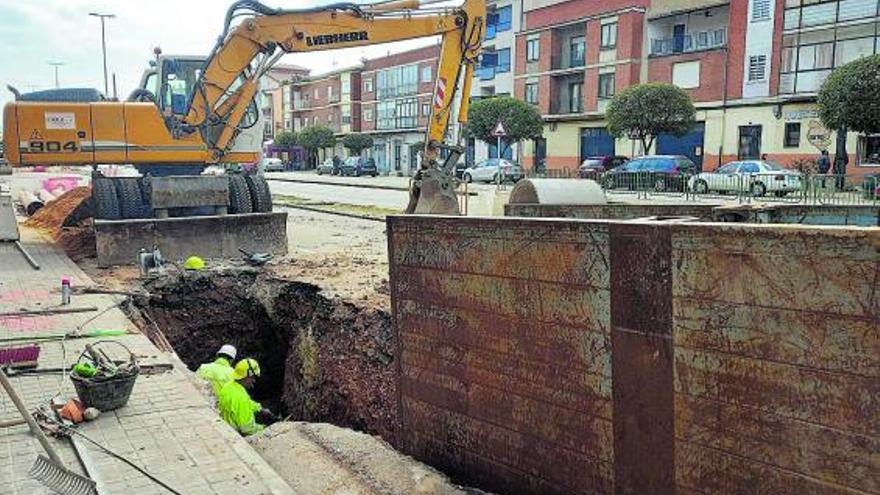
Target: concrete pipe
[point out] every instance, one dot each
(558, 192)
(30, 202)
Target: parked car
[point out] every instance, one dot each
(755, 176)
(268, 164)
(657, 172)
(870, 186)
(493, 170)
(326, 167)
(594, 166)
(366, 166)
(460, 167)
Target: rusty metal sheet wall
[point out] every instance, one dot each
(504, 350)
(744, 359)
(777, 359)
(610, 211)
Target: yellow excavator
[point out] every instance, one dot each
(191, 112)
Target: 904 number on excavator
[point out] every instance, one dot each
(52, 146)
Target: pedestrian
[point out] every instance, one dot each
(841, 159)
(235, 403)
(824, 165)
(219, 372)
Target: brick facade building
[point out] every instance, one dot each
(275, 98)
(331, 99)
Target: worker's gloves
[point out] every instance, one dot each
(266, 415)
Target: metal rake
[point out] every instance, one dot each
(60, 479)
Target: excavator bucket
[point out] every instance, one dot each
(433, 193)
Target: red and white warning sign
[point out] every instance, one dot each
(440, 94)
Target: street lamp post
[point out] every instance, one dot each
(56, 65)
(104, 45)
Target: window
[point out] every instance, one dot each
(330, 118)
(869, 150)
(286, 124)
(760, 10)
(608, 37)
(397, 81)
(427, 75)
(504, 16)
(317, 93)
(686, 75)
(368, 115)
(329, 92)
(757, 68)
(397, 114)
(531, 95)
(575, 103)
(533, 49)
(792, 135)
(426, 109)
(503, 64)
(576, 46)
(368, 85)
(346, 119)
(606, 85)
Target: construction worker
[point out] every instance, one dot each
(235, 403)
(220, 371)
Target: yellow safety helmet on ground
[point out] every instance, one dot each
(194, 263)
(245, 368)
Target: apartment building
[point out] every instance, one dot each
(494, 75)
(275, 98)
(331, 99)
(752, 68)
(396, 94)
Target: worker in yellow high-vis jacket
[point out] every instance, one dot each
(219, 372)
(235, 403)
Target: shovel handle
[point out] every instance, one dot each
(35, 428)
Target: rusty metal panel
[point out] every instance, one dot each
(619, 211)
(182, 191)
(641, 336)
(777, 358)
(504, 351)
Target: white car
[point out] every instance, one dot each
(272, 165)
(755, 176)
(491, 170)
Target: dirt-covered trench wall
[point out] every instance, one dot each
(322, 359)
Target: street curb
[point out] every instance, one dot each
(329, 212)
(341, 184)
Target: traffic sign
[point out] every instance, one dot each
(499, 130)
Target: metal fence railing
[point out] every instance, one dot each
(770, 187)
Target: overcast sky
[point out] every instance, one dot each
(34, 32)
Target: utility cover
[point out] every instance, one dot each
(499, 130)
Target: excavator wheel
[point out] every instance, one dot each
(260, 195)
(105, 200)
(239, 195)
(131, 200)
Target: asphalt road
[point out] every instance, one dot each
(382, 198)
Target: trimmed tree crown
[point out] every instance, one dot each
(644, 111)
(285, 139)
(357, 142)
(521, 120)
(848, 98)
(316, 137)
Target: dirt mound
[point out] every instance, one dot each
(324, 359)
(61, 212)
(66, 222)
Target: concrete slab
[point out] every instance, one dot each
(167, 427)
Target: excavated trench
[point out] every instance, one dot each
(322, 359)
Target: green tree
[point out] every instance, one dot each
(848, 98)
(285, 139)
(520, 119)
(644, 111)
(357, 142)
(316, 137)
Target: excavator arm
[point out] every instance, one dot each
(229, 81)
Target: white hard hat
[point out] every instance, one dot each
(228, 350)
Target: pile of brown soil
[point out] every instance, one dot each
(66, 222)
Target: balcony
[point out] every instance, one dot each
(569, 47)
(691, 42)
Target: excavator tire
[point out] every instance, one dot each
(105, 200)
(260, 195)
(239, 195)
(131, 201)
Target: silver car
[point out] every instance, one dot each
(493, 170)
(755, 176)
(271, 165)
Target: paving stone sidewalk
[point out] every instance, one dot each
(168, 427)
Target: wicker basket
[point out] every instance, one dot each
(103, 393)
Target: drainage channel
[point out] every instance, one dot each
(322, 359)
